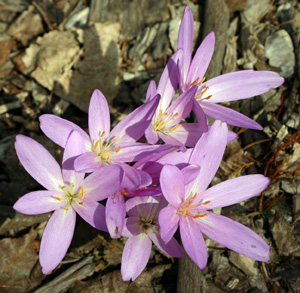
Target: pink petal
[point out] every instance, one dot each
(115, 213)
(172, 248)
(201, 59)
(234, 236)
(234, 190)
(185, 39)
(168, 221)
(208, 154)
(135, 256)
(241, 85)
(57, 238)
(201, 117)
(151, 91)
(92, 212)
(39, 163)
(58, 129)
(172, 185)
(87, 163)
(38, 202)
(99, 117)
(193, 241)
(228, 115)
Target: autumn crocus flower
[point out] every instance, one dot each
(141, 228)
(190, 203)
(68, 193)
(224, 88)
(104, 147)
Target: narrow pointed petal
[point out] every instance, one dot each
(193, 241)
(74, 148)
(169, 81)
(208, 154)
(229, 116)
(174, 140)
(231, 136)
(92, 212)
(241, 85)
(135, 256)
(201, 59)
(39, 163)
(56, 239)
(234, 190)
(172, 185)
(115, 213)
(87, 163)
(234, 236)
(201, 117)
(172, 248)
(59, 129)
(102, 183)
(168, 221)
(151, 135)
(185, 39)
(99, 118)
(133, 127)
(151, 91)
(38, 202)
(190, 173)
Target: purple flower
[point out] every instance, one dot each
(225, 88)
(68, 193)
(190, 202)
(104, 147)
(141, 228)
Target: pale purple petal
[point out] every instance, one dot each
(135, 256)
(92, 212)
(132, 178)
(102, 183)
(201, 59)
(171, 139)
(57, 238)
(168, 221)
(74, 148)
(172, 248)
(208, 154)
(172, 185)
(228, 115)
(231, 136)
(234, 190)
(38, 202)
(88, 162)
(234, 236)
(38, 162)
(59, 129)
(133, 127)
(185, 40)
(151, 135)
(201, 117)
(241, 85)
(99, 117)
(115, 213)
(168, 81)
(151, 91)
(132, 227)
(193, 241)
(190, 173)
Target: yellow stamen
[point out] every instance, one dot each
(108, 158)
(118, 149)
(207, 202)
(200, 216)
(82, 192)
(96, 144)
(114, 140)
(66, 209)
(81, 203)
(202, 80)
(165, 114)
(175, 127)
(176, 114)
(194, 83)
(184, 213)
(57, 198)
(190, 202)
(63, 187)
(208, 97)
(124, 191)
(160, 113)
(194, 196)
(196, 98)
(160, 124)
(204, 91)
(102, 134)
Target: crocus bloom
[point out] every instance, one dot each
(225, 88)
(142, 229)
(190, 202)
(68, 193)
(103, 147)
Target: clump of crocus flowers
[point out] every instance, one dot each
(151, 189)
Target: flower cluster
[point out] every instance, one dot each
(150, 189)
